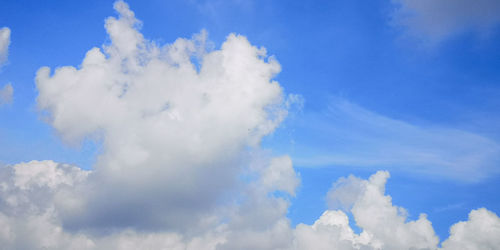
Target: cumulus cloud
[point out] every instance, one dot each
(174, 121)
(6, 94)
(384, 226)
(31, 194)
(181, 166)
(479, 232)
(4, 44)
(34, 195)
(436, 20)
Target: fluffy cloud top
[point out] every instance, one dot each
(435, 20)
(4, 44)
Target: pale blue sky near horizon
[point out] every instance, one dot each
(378, 94)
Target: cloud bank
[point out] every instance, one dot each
(32, 193)
(181, 166)
(436, 20)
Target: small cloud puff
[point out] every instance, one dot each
(6, 94)
(4, 44)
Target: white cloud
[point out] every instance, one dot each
(31, 195)
(259, 220)
(164, 124)
(479, 232)
(436, 20)
(330, 231)
(7, 91)
(6, 94)
(4, 44)
(280, 175)
(355, 136)
(34, 195)
(385, 226)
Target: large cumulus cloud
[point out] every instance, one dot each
(175, 122)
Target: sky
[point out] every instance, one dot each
(250, 124)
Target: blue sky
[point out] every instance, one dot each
(383, 85)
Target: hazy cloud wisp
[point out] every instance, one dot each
(436, 20)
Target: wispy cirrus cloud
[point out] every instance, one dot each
(350, 135)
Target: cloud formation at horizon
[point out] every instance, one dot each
(181, 165)
(33, 192)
